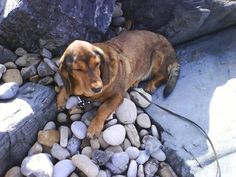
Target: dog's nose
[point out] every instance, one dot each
(96, 89)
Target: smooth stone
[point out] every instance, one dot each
(14, 172)
(102, 142)
(28, 59)
(10, 65)
(102, 173)
(64, 135)
(2, 70)
(166, 170)
(73, 145)
(88, 116)
(20, 51)
(155, 131)
(58, 79)
(141, 171)
(51, 64)
(143, 157)
(117, 12)
(61, 117)
(100, 157)
(132, 134)
(126, 144)
(8, 90)
(12, 75)
(44, 70)
(151, 167)
(151, 143)
(110, 123)
(46, 53)
(37, 165)
(143, 120)
(84, 164)
(118, 21)
(28, 72)
(87, 151)
(48, 137)
(114, 135)
(74, 175)
(71, 102)
(133, 168)
(35, 149)
(75, 117)
(63, 168)
(75, 110)
(59, 152)
(50, 126)
(46, 80)
(143, 133)
(159, 155)
(114, 149)
(79, 129)
(126, 112)
(94, 143)
(139, 99)
(133, 152)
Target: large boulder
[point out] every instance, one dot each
(181, 20)
(206, 94)
(21, 118)
(52, 23)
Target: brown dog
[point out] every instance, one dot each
(105, 71)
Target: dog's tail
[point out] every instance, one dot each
(173, 73)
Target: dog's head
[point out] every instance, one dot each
(83, 69)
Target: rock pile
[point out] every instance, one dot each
(129, 144)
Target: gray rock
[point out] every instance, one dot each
(118, 21)
(46, 80)
(73, 145)
(88, 116)
(21, 118)
(46, 53)
(114, 149)
(58, 79)
(35, 149)
(133, 152)
(133, 168)
(64, 135)
(94, 143)
(44, 70)
(37, 165)
(59, 152)
(151, 143)
(28, 60)
(63, 168)
(143, 157)
(51, 64)
(10, 65)
(209, 104)
(20, 51)
(87, 151)
(59, 17)
(119, 163)
(151, 167)
(182, 20)
(139, 99)
(140, 171)
(61, 117)
(2, 70)
(12, 75)
(143, 120)
(114, 135)
(8, 90)
(50, 126)
(28, 72)
(6, 54)
(100, 157)
(132, 134)
(117, 12)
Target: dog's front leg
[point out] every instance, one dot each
(103, 112)
(61, 99)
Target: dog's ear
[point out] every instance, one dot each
(64, 69)
(104, 67)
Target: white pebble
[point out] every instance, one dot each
(159, 155)
(155, 131)
(126, 144)
(102, 173)
(59, 152)
(87, 151)
(133, 135)
(114, 135)
(142, 158)
(94, 143)
(71, 102)
(143, 120)
(75, 117)
(103, 144)
(132, 170)
(84, 164)
(63, 168)
(126, 112)
(141, 171)
(64, 135)
(139, 99)
(110, 123)
(143, 132)
(133, 152)
(79, 129)
(35, 149)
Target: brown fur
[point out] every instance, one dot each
(105, 71)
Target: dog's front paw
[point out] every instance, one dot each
(94, 129)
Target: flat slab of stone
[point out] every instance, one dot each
(20, 120)
(206, 94)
